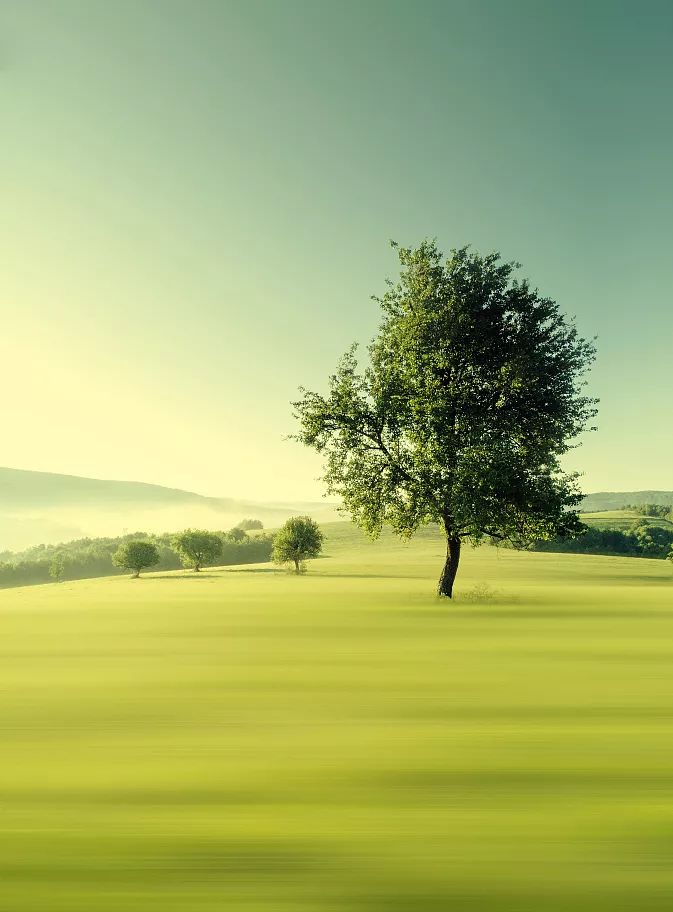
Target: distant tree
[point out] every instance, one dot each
(652, 541)
(247, 524)
(236, 534)
(592, 541)
(659, 511)
(197, 547)
(57, 567)
(297, 541)
(472, 395)
(136, 556)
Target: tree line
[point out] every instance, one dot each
(86, 558)
(296, 542)
(658, 511)
(641, 540)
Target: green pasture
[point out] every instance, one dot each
(244, 739)
(622, 520)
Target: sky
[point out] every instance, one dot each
(197, 199)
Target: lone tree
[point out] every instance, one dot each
(297, 541)
(136, 556)
(197, 547)
(473, 391)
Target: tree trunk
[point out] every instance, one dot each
(197, 568)
(446, 580)
(296, 565)
(136, 575)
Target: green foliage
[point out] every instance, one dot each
(591, 541)
(87, 558)
(297, 541)
(472, 394)
(248, 551)
(236, 534)
(24, 573)
(57, 567)
(248, 524)
(653, 541)
(136, 556)
(197, 547)
(641, 540)
(659, 511)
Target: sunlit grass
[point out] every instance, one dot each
(622, 519)
(247, 739)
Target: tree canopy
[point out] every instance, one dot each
(86, 558)
(57, 567)
(473, 391)
(136, 556)
(197, 547)
(653, 541)
(247, 524)
(297, 541)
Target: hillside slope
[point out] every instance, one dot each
(46, 507)
(615, 500)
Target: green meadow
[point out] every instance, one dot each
(622, 519)
(246, 739)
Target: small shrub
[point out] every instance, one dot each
(479, 594)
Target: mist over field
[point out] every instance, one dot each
(47, 508)
(41, 507)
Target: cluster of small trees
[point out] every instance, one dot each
(299, 540)
(195, 548)
(296, 542)
(92, 557)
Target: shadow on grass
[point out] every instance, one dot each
(382, 576)
(183, 576)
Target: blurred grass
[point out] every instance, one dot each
(245, 739)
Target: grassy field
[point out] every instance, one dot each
(622, 519)
(244, 739)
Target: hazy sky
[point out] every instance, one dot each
(197, 199)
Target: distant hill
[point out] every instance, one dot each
(615, 500)
(43, 507)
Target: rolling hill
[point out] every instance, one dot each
(45, 507)
(615, 500)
